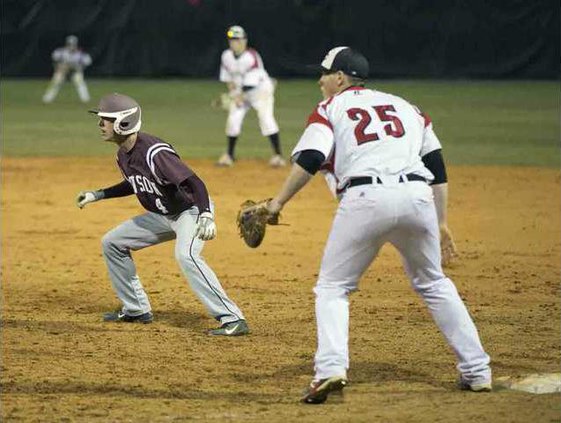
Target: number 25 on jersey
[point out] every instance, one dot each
(393, 129)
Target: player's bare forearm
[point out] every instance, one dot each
(295, 181)
(447, 245)
(440, 192)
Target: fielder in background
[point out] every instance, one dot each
(249, 86)
(66, 60)
(178, 207)
(389, 174)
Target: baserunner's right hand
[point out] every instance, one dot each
(85, 197)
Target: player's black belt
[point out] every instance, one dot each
(367, 180)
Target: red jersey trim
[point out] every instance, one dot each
(255, 56)
(427, 119)
(329, 164)
(329, 100)
(315, 117)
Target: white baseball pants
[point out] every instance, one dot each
(262, 99)
(151, 229)
(403, 214)
(81, 87)
(58, 79)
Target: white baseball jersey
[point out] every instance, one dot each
(245, 70)
(369, 133)
(74, 59)
(365, 132)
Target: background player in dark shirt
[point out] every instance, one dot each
(178, 207)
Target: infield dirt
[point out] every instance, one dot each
(61, 363)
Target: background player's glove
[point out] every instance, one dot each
(252, 221)
(206, 228)
(222, 102)
(85, 197)
(447, 246)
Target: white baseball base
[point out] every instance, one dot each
(544, 383)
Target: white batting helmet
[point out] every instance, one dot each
(125, 110)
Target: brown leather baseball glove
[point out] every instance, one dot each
(252, 221)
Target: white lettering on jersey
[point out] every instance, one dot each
(160, 206)
(139, 183)
(155, 188)
(131, 181)
(143, 184)
(147, 185)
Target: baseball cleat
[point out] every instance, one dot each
(119, 316)
(318, 390)
(237, 328)
(475, 387)
(277, 161)
(225, 160)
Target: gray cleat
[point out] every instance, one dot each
(237, 328)
(119, 316)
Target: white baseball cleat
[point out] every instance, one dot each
(277, 161)
(476, 387)
(225, 160)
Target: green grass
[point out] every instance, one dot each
(478, 122)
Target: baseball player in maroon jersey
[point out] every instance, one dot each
(178, 207)
(389, 175)
(249, 86)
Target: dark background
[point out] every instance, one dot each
(401, 38)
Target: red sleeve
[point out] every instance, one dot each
(427, 119)
(329, 163)
(315, 117)
(425, 116)
(255, 57)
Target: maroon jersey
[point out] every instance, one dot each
(155, 171)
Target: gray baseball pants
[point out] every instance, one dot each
(150, 229)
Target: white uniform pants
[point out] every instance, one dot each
(151, 229)
(405, 215)
(262, 99)
(58, 79)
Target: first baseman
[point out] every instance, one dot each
(69, 59)
(249, 86)
(178, 207)
(387, 169)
